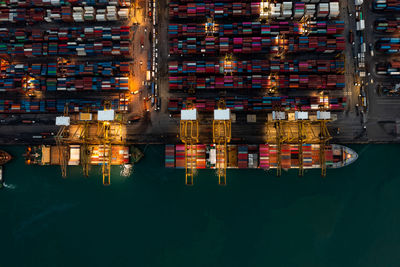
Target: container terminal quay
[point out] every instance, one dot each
(221, 83)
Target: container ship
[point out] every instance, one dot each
(263, 156)
(4, 158)
(50, 155)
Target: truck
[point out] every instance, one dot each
(360, 25)
(351, 37)
(363, 47)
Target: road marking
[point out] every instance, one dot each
(388, 101)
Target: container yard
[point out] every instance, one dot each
(281, 61)
(228, 84)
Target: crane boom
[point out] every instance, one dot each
(221, 136)
(189, 135)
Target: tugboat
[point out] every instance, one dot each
(4, 158)
(136, 156)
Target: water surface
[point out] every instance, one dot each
(350, 218)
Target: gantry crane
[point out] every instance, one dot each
(61, 63)
(277, 122)
(221, 136)
(85, 120)
(228, 64)
(103, 132)
(3, 65)
(301, 138)
(274, 83)
(281, 46)
(60, 138)
(189, 135)
(300, 130)
(27, 85)
(305, 24)
(302, 123)
(265, 12)
(323, 117)
(210, 27)
(279, 139)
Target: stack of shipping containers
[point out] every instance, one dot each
(170, 156)
(298, 60)
(60, 51)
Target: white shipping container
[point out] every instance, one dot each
(287, 5)
(363, 48)
(55, 16)
(360, 25)
(100, 17)
(77, 9)
(323, 10)
(333, 9)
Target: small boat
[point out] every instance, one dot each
(4, 157)
(136, 155)
(126, 170)
(1, 177)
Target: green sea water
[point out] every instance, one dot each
(349, 218)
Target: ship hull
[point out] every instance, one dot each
(4, 157)
(263, 156)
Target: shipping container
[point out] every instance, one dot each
(261, 104)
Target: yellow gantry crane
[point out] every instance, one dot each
(189, 135)
(221, 136)
(77, 132)
(282, 46)
(301, 138)
(278, 119)
(305, 25)
(265, 12)
(85, 120)
(228, 64)
(103, 133)
(323, 117)
(210, 27)
(274, 83)
(302, 121)
(61, 138)
(3, 64)
(298, 129)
